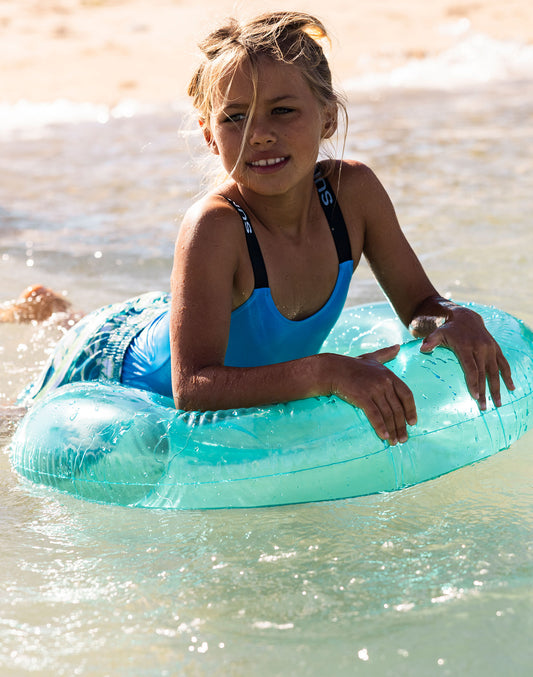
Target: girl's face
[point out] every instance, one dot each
(274, 148)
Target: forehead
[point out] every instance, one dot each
(269, 79)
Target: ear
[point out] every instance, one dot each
(330, 123)
(208, 137)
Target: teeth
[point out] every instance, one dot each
(268, 163)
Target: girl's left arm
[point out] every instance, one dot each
(427, 314)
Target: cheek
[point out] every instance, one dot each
(228, 142)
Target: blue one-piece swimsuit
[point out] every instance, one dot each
(259, 334)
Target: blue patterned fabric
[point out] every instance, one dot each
(93, 350)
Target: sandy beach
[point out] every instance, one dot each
(105, 51)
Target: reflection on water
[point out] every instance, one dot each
(431, 580)
(439, 572)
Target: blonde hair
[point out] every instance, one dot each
(288, 37)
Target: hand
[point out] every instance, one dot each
(366, 383)
(480, 356)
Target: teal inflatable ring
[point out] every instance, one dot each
(109, 443)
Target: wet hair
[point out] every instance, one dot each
(288, 37)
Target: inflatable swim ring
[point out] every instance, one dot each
(114, 444)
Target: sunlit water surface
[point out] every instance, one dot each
(432, 580)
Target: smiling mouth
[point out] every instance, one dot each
(271, 162)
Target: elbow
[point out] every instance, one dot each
(184, 399)
(182, 403)
(188, 394)
(181, 392)
(199, 389)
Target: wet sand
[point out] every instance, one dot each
(106, 51)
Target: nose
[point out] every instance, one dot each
(261, 132)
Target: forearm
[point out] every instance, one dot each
(362, 381)
(220, 387)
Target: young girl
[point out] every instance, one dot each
(263, 262)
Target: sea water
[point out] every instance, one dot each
(431, 580)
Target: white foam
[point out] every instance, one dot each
(475, 60)
(33, 118)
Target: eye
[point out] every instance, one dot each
(234, 117)
(282, 110)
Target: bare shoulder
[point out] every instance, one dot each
(211, 245)
(212, 218)
(359, 191)
(350, 175)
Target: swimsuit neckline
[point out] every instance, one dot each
(267, 294)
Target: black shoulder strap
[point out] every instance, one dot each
(256, 257)
(334, 216)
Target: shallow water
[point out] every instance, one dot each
(435, 579)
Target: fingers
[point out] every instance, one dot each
(505, 370)
(377, 421)
(402, 406)
(391, 405)
(471, 369)
(493, 379)
(367, 383)
(490, 371)
(479, 373)
(486, 367)
(390, 411)
(481, 359)
(479, 370)
(434, 339)
(384, 354)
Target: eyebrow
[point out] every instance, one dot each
(271, 102)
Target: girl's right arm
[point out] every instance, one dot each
(208, 260)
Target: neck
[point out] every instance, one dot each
(288, 213)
